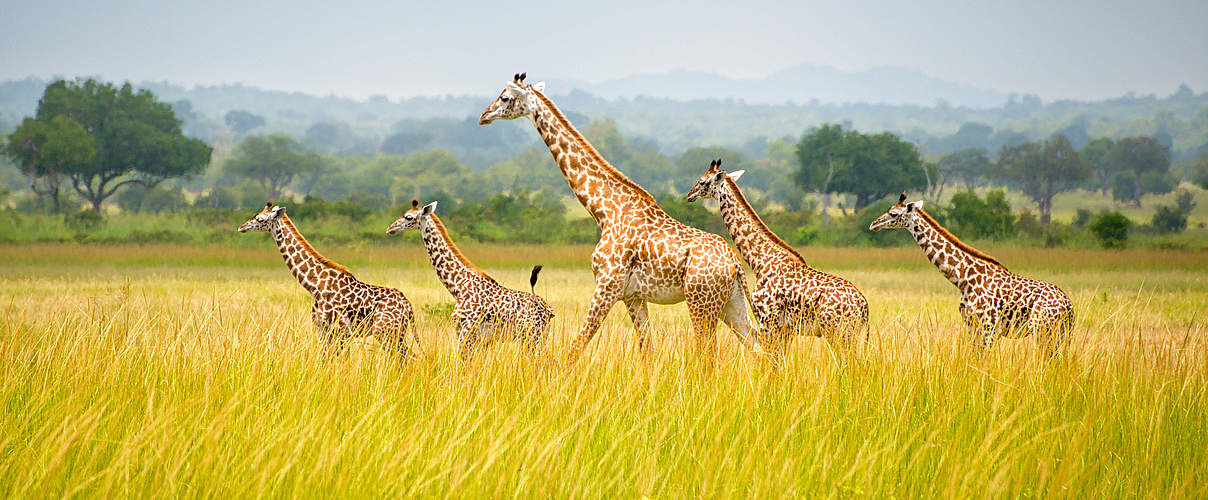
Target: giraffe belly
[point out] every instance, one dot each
(643, 284)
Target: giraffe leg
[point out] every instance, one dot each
(467, 336)
(608, 291)
(734, 315)
(637, 314)
(706, 296)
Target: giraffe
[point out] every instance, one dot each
(994, 301)
(485, 308)
(343, 306)
(643, 254)
(790, 296)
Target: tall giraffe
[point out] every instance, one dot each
(484, 308)
(994, 301)
(790, 296)
(643, 254)
(343, 306)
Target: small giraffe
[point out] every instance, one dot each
(994, 301)
(644, 255)
(790, 296)
(343, 306)
(485, 308)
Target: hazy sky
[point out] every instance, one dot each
(1082, 50)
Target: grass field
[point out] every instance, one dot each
(165, 371)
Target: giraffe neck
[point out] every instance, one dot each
(958, 262)
(598, 185)
(759, 246)
(303, 260)
(453, 269)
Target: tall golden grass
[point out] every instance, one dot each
(191, 371)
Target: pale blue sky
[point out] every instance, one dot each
(1082, 50)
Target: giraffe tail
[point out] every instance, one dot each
(533, 278)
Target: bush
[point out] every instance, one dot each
(1173, 219)
(971, 217)
(1111, 229)
(1082, 217)
(84, 221)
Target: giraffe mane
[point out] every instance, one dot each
(591, 150)
(444, 233)
(956, 241)
(760, 225)
(306, 247)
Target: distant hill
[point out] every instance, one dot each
(799, 84)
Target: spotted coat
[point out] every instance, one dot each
(343, 305)
(994, 301)
(643, 254)
(790, 296)
(485, 309)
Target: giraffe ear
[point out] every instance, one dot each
(736, 174)
(278, 211)
(719, 176)
(918, 204)
(429, 208)
(539, 87)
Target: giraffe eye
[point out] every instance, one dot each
(409, 217)
(504, 98)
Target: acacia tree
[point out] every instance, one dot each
(272, 161)
(45, 151)
(1095, 154)
(137, 139)
(867, 166)
(966, 166)
(1142, 165)
(1042, 170)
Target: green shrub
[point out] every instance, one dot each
(1111, 229)
(84, 221)
(1173, 219)
(971, 217)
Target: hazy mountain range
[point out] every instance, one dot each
(799, 84)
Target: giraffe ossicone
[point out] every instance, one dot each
(790, 296)
(643, 255)
(343, 305)
(994, 301)
(484, 309)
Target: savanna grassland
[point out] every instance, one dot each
(163, 371)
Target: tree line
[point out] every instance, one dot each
(116, 143)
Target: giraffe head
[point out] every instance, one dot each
(516, 100)
(412, 219)
(265, 220)
(711, 181)
(900, 215)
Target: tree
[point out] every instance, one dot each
(1198, 171)
(241, 122)
(1095, 154)
(137, 139)
(272, 161)
(46, 151)
(867, 166)
(967, 166)
(1147, 160)
(1042, 170)
(403, 143)
(1173, 219)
